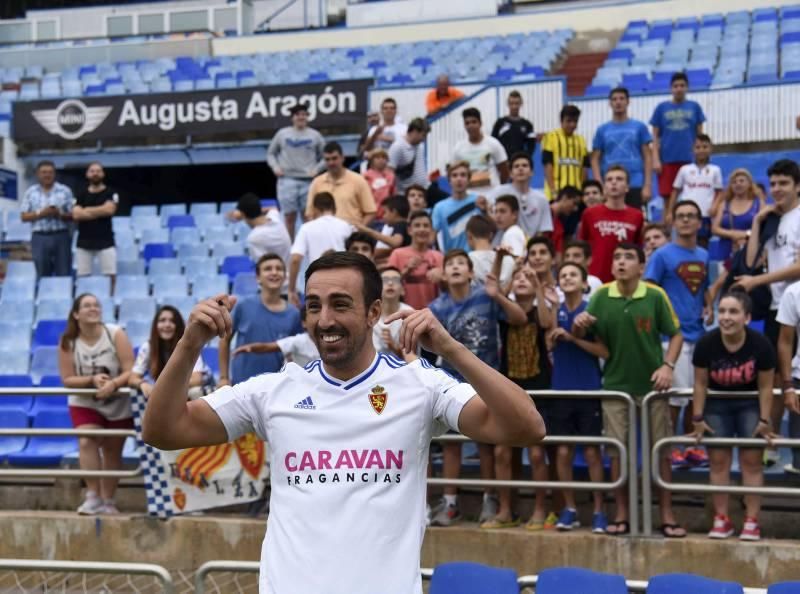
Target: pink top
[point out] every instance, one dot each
(382, 184)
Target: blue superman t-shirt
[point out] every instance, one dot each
(683, 274)
(677, 127)
(450, 218)
(621, 144)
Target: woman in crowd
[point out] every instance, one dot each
(734, 358)
(96, 355)
(165, 332)
(741, 203)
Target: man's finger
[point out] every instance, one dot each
(400, 315)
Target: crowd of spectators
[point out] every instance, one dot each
(571, 288)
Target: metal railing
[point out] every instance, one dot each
(628, 461)
(156, 571)
(651, 465)
(35, 432)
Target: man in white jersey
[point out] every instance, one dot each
(348, 435)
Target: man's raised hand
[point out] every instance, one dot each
(210, 318)
(421, 328)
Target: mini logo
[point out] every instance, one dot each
(306, 403)
(377, 398)
(71, 119)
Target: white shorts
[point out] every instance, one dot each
(85, 258)
(683, 375)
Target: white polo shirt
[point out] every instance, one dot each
(783, 250)
(348, 463)
(699, 184)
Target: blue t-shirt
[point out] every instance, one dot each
(621, 144)
(683, 274)
(574, 368)
(677, 126)
(450, 218)
(253, 322)
(472, 322)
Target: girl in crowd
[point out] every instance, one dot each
(96, 355)
(734, 358)
(741, 203)
(165, 332)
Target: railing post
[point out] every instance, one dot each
(647, 488)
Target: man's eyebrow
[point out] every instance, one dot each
(311, 296)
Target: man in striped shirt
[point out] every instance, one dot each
(564, 154)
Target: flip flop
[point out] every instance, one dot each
(495, 524)
(669, 531)
(621, 528)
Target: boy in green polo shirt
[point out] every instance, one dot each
(630, 317)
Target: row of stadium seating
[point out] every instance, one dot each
(715, 51)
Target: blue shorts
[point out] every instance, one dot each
(292, 194)
(732, 417)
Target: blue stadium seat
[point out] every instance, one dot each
(204, 287)
(48, 402)
(50, 286)
(12, 419)
(130, 267)
(48, 332)
(245, 284)
(233, 265)
(154, 235)
(175, 221)
(54, 309)
(784, 588)
(202, 208)
(209, 220)
(223, 249)
(138, 331)
(158, 250)
(680, 583)
(131, 286)
(18, 289)
(572, 579)
(99, 286)
(19, 311)
(184, 236)
(162, 266)
(597, 91)
(226, 207)
(191, 251)
(183, 304)
(624, 53)
(15, 334)
(169, 286)
(144, 209)
(17, 401)
(15, 362)
(46, 450)
(136, 308)
(211, 359)
(474, 578)
(20, 268)
(142, 222)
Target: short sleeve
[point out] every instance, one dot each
(701, 116)
(394, 155)
(547, 142)
(598, 143)
(718, 183)
(702, 352)
(644, 134)
(666, 319)
(366, 200)
(595, 308)
(547, 218)
(299, 245)
(655, 268)
(69, 198)
(679, 179)
(655, 119)
(287, 345)
(788, 314)
(436, 217)
(449, 398)
(499, 154)
(237, 409)
(26, 205)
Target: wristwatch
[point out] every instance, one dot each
(669, 364)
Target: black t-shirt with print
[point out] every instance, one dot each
(734, 372)
(97, 234)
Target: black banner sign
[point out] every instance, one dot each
(340, 105)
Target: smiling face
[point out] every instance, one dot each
(783, 191)
(421, 230)
(300, 119)
(570, 279)
(732, 317)
(338, 321)
(165, 325)
(89, 311)
(540, 259)
(388, 112)
(592, 196)
(271, 274)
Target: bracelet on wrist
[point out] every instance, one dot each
(788, 385)
(669, 364)
(764, 421)
(697, 419)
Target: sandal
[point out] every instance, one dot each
(673, 531)
(496, 524)
(534, 525)
(620, 528)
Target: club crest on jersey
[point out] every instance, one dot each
(377, 398)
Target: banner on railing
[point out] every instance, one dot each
(335, 105)
(203, 478)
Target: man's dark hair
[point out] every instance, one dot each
(592, 183)
(520, 155)
(372, 283)
(389, 100)
(419, 214)
(541, 239)
(658, 226)
(570, 111)
(471, 112)
(399, 204)
(584, 274)
(418, 125)
(45, 163)
(515, 94)
(627, 246)
(568, 192)
(509, 200)
(414, 187)
(456, 253)
(785, 167)
(622, 90)
(298, 108)
(361, 237)
(249, 205)
(324, 202)
(679, 76)
(266, 258)
(584, 246)
(691, 203)
(703, 138)
(481, 227)
(332, 147)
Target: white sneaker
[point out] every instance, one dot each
(109, 508)
(91, 506)
(428, 514)
(488, 509)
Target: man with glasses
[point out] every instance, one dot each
(351, 192)
(386, 337)
(681, 269)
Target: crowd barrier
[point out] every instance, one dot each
(650, 463)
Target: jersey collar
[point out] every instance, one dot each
(352, 382)
(639, 293)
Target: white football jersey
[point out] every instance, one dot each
(348, 467)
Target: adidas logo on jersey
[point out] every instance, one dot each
(306, 403)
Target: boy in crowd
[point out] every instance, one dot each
(361, 243)
(566, 204)
(534, 211)
(487, 158)
(299, 348)
(607, 225)
(681, 269)
(592, 193)
(630, 316)
(576, 366)
(509, 233)
(480, 231)
(417, 199)
(564, 154)
(470, 314)
(265, 317)
(386, 337)
(419, 264)
(541, 257)
(654, 235)
(450, 215)
(394, 232)
(700, 182)
(580, 253)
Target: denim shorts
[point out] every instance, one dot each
(292, 194)
(732, 417)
